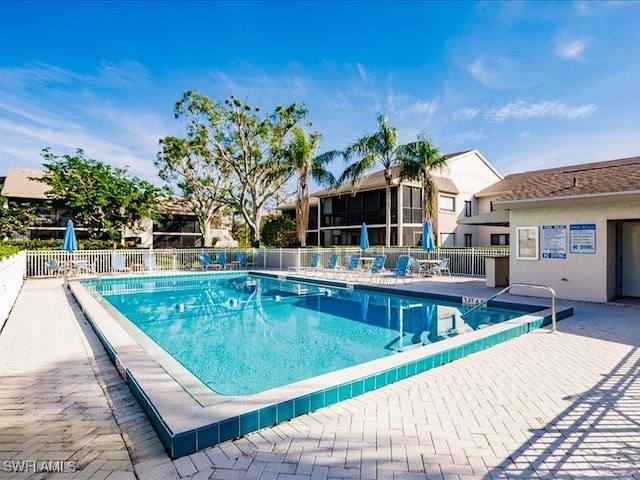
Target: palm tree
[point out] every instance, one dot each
(382, 147)
(300, 160)
(418, 160)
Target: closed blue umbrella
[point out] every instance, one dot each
(70, 243)
(427, 237)
(364, 237)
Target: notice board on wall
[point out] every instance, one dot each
(554, 241)
(582, 238)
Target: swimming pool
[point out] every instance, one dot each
(241, 334)
(188, 415)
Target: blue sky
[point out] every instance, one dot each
(531, 85)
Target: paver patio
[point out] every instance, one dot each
(564, 405)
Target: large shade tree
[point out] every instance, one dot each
(244, 146)
(418, 161)
(191, 166)
(102, 198)
(300, 159)
(379, 147)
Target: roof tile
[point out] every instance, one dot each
(613, 176)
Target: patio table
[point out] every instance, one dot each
(427, 265)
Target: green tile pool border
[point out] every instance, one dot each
(178, 444)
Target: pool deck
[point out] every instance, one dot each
(543, 405)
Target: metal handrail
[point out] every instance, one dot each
(532, 285)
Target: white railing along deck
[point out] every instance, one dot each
(463, 261)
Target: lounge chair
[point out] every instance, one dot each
(205, 261)
(352, 267)
(53, 267)
(331, 267)
(377, 267)
(243, 263)
(119, 263)
(402, 270)
(442, 267)
(415, 267)
(221, 260)
(314, 263)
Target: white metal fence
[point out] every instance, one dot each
(463, 261)
(12, 272)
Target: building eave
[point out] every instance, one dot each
(605, 197)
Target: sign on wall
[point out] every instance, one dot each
(554, 241)
(582, 238)
(527, 243)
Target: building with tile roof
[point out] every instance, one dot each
(178, 226)
(336, 214)
(574, 228)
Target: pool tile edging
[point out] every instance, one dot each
(232, 427)
(182, 443)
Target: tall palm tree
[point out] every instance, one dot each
(300, 160)
(382, 147)
(418, 160)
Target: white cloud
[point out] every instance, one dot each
(498, 73)
(121, 75)
(470, 136)
(465, 114)
(590, 8)
(549, 151)
(481, 73)
(38, 73)
(116, 136)
(583, 8)
(573, 50)
(523, 110)
(107, 74)
(401, 106)
(362, 72)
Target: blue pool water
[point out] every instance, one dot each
(242, 334)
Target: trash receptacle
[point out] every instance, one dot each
(497, 271)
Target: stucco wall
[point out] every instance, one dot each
(588, 277)
(484, 232)
(471, 173)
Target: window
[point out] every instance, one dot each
(468, 240)
(448, 239)
(326, 206)
(411, 204)
(446, 203)
(371, 201)
(467, 208)
(313, 219)
(499, 239)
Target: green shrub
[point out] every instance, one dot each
(55, 244)
(7, 250)
(279, 232)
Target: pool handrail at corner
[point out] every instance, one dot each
(531, 285)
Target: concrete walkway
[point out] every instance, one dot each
(556, 406)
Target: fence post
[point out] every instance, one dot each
(473, 261)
